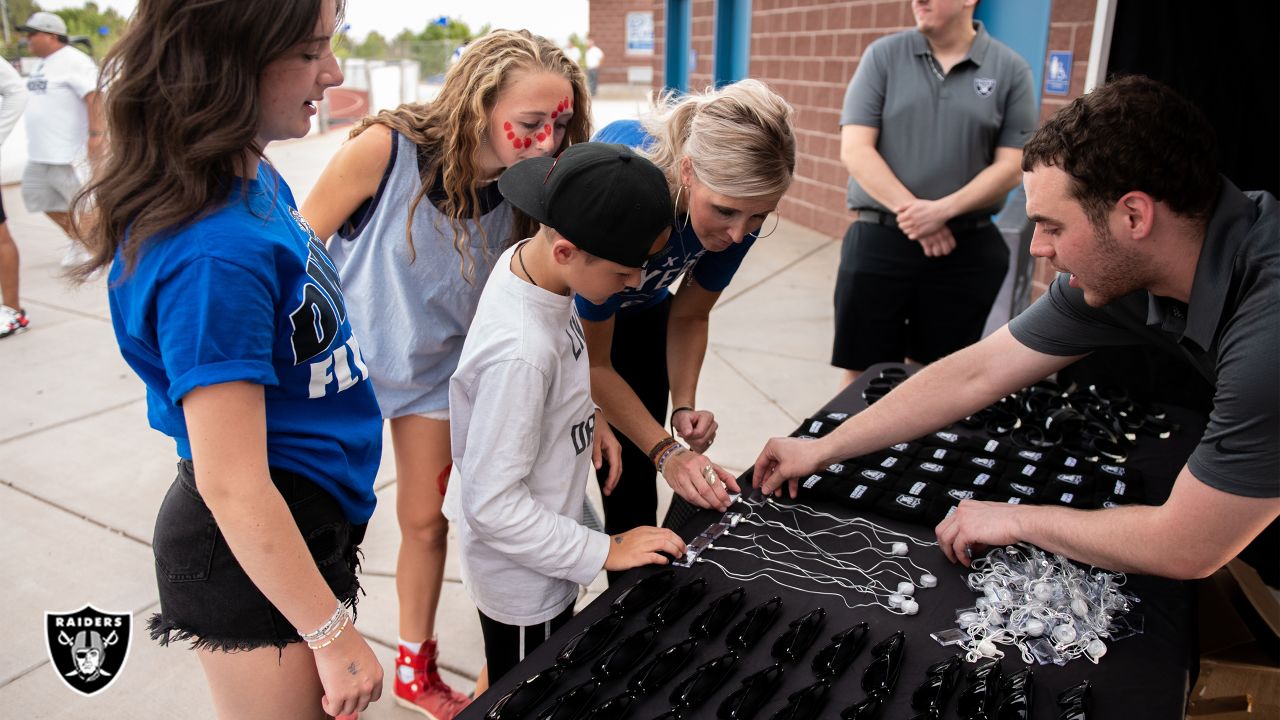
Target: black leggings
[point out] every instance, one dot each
(506, 645)
(639, 355)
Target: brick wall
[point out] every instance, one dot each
(1070, 28)
(608, 26)
(807, 50)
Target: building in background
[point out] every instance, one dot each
(1223, 56)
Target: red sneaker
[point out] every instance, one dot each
(427, 692)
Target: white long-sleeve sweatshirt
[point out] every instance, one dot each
(522, 423)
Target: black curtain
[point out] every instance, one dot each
(1223, 56)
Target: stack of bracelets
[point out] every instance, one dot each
(330, 631)
(663, 451)
(1042, 444)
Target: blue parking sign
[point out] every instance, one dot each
(1057, 76)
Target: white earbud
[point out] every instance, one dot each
(910, 607)
(928, 580)
(899, 548)
(906, 588)
(895, 600)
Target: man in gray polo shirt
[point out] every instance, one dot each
(1154, 247)
(932, 130)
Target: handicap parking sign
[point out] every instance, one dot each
(1057, 77)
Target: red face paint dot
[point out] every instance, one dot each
(528, 142)
(517, 144)
(547, 128)
(555, 113)
(506, 126)
(541, 136)
(511, 136)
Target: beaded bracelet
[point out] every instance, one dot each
(346, 620)
(662, 446)
(327, 627)
(668, 454)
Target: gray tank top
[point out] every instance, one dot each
(412, 317)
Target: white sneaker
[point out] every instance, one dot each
(12, 321)
(76, 255)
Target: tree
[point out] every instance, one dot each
(88, 21)
(374, 47)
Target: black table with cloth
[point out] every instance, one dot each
(1143, 676)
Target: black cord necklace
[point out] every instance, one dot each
(520, 257)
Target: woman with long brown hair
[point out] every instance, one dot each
(417, 221)
(224, 303)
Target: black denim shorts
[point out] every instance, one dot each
(206, 597)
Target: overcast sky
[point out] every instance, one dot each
(555, 19)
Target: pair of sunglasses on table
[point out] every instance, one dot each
(704, 681)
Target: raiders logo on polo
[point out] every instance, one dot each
(959, 494)
(88, 647)
(910, 501)
(984, 86)
(811, 481)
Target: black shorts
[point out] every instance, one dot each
(206, 597)
(893, 303)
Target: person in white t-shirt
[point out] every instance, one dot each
(65, 124)
(13, 98)
(525, 430)
(593, 56)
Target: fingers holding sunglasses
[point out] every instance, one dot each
(640, 546)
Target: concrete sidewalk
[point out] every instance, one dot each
(82, 475)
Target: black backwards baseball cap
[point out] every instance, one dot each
(603, 198)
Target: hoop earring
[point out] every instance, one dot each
(675, 208)
(776, 220)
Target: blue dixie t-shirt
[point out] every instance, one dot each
(249, 294)
(683, 253)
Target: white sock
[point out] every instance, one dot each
(405, 672)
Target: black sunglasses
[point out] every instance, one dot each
(757, 621)
(939, 680)
(615, 708)
(703, 682)
(572, 704)
(625, 654)
(1016, 696)
(525, 696)
(677, 602)
(664, 666)
(805, 703)
(976, 701)
(719, 612)
(1073, 703)
(792, 644)
(832, 660)
(755, 691)
(880, 678)
(590, 641)
(644, 593)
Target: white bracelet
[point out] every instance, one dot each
(320, 632)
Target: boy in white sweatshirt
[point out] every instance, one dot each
(525, 432)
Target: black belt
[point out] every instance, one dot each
(960, 224)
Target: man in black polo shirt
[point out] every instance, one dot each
(931, 132)
(1154, 246)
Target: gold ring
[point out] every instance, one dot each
(710, 475)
